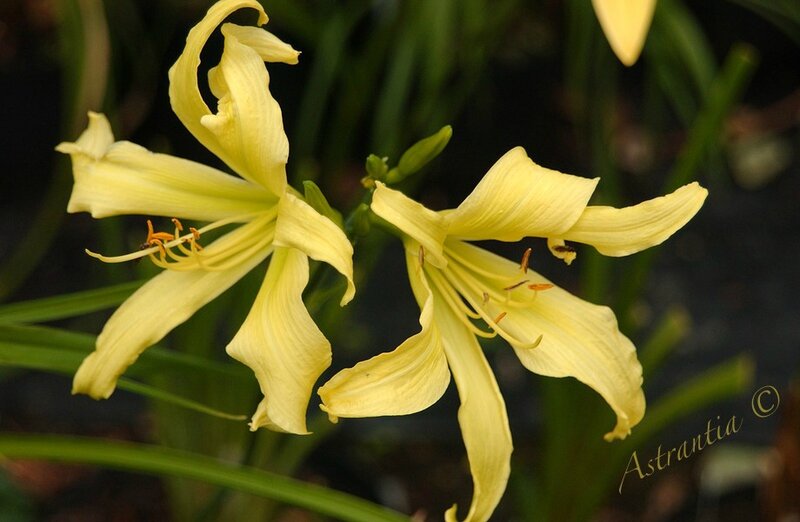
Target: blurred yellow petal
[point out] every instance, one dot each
(406, 380)
(518, 198)
(625, 23)
(424, 226)
(300, 226)
(482, 417)
(124, 178)
(623, 231)
(281, 344)
(160, 305)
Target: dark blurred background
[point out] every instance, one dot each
(715, 97)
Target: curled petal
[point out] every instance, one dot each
(247, 132)
(623, 231)
(184, 94)
(561, 250)
(419, 223)
(406, 380)
(625, 23)
(482, 417)
(94, 142)
(248, 123)
(518, 198)
(124, 178)
(281, 344)
(268, 46)
(300, 226)
(157, 307)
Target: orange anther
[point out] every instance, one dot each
(499, 317)
(152, 236)
(195, 233)
(540, 286)
(515, 285)
(525, 258)
(485, 298)
(178, 225)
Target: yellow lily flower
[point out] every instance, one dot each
(552, 332)
(625, 24)
(278, 340)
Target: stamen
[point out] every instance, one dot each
(499, 317)
(451, 295)
(532, 345)
(455, 302)
(453, 255)
(465, 281)
(515, 285)
(161, 242)
(178, 225)
(152, 236)
(540, 286)
(525, 257)
(467, 277)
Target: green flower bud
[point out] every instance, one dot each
(376, 167)
(420, 154)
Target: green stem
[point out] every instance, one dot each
(158, 460)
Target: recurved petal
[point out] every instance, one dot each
(406, 380)
(184, 93)
(300, 226)
(579, 339)
(155, 309)
(248, 123)
(267, 45)
(518, 198)
(482, 417)
(582, 340)
(425, 226)
(94, 141)
(281, 344)
(247, 133)
(124, 178)
(623, 231)
(625, 23)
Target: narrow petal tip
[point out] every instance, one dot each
(91, 380)
(262, 419)
(625, 25)
(331, 417)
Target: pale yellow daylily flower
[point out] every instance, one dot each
(552, 332)
(625, 24)
(278, 340)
